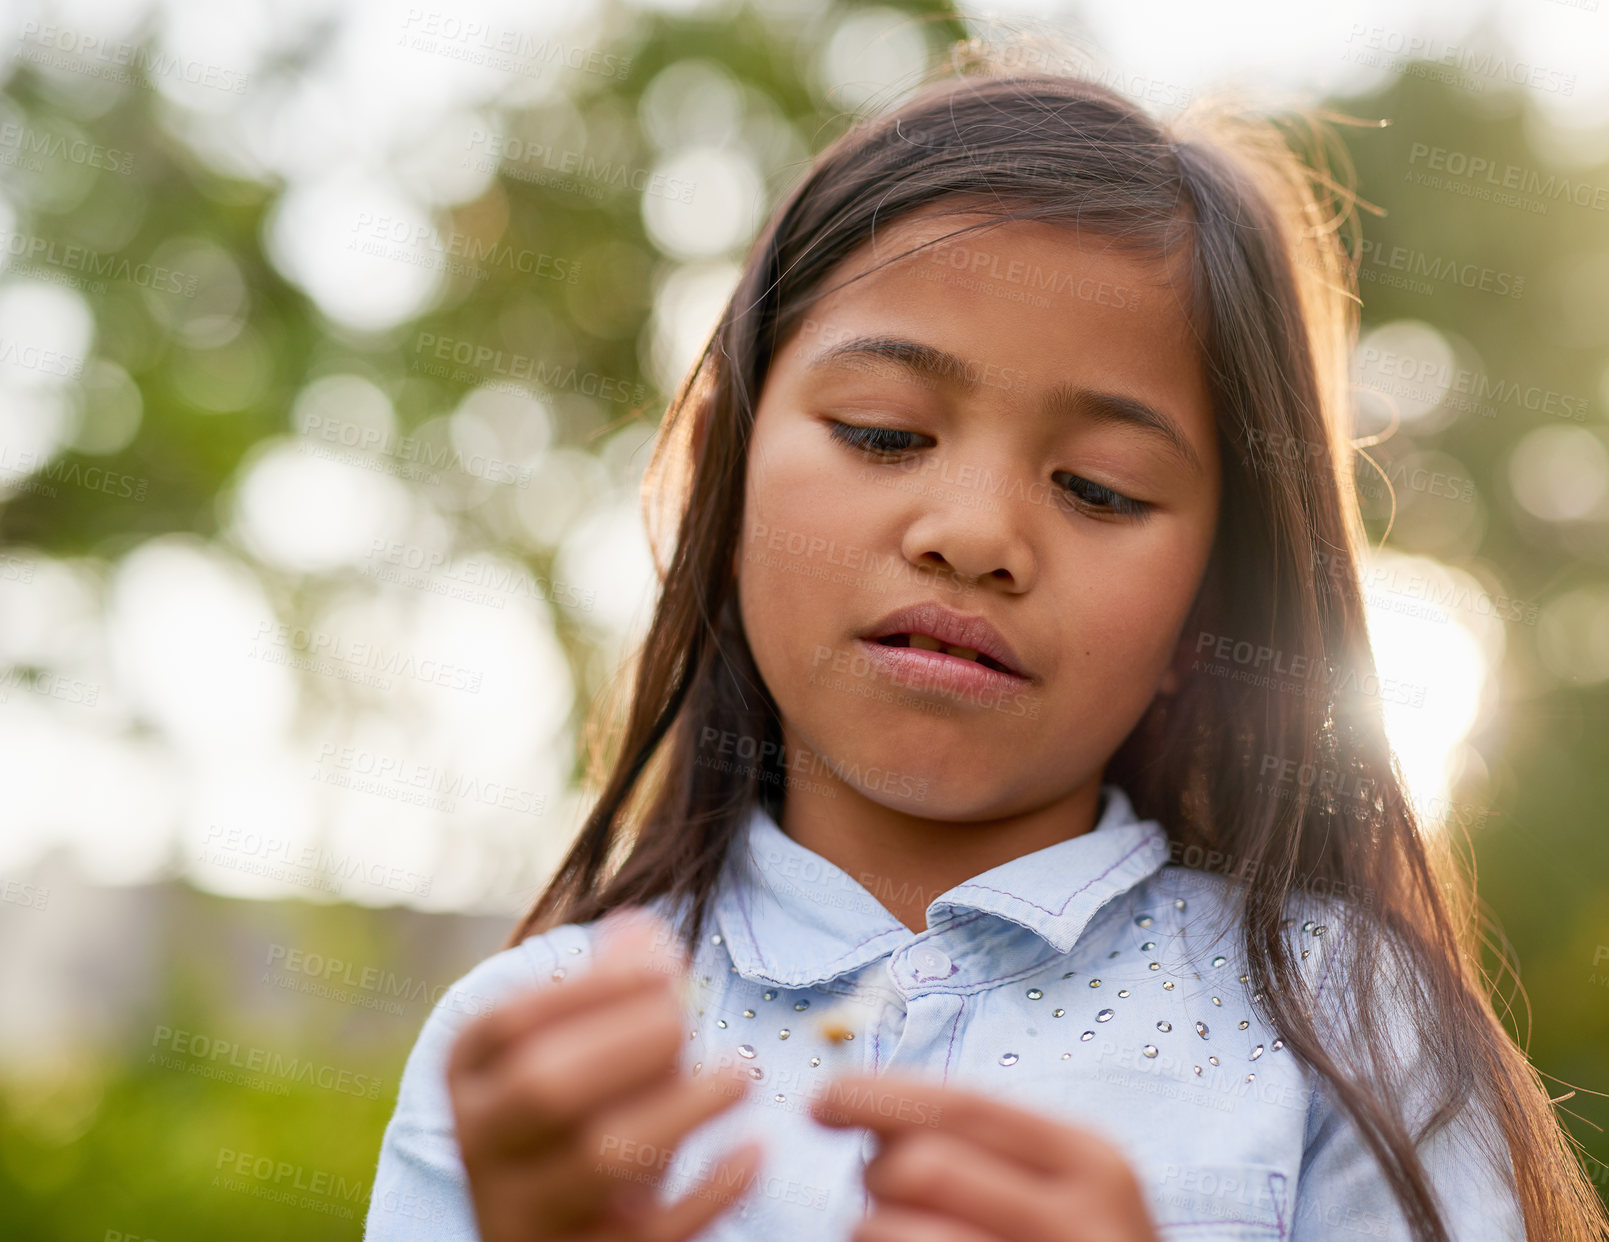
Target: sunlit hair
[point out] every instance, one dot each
(1260, 213)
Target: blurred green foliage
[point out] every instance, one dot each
(131, 1146)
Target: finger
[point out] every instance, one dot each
(655, 1123)
(891, 1104)
(721, 1190)
(559, 1076)
(491, 1036)
(632, 938)
(904, 1224)
(944, 1173)
(624, 1156)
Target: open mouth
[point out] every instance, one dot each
(925, 643)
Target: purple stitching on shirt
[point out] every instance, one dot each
(1216, 1220)
(765, 962)
(955, 1025)
(1053, 913)
(1276, 1196)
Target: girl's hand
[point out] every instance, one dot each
(569, 1103)
(956, 1166)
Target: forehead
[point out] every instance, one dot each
(952, 215)
(1051, 273)
(1049, 300)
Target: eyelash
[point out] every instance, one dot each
(869, 440)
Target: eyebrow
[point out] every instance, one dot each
(1069, 400)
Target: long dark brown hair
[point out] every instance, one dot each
(1255, 208)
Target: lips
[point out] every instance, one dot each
(932, 627)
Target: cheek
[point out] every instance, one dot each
(1125, 624)
(792, 585)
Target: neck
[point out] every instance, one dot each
(906, 860)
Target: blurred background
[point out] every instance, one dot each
(333, 342)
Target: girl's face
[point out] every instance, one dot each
(1040, 452)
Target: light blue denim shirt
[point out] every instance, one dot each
(1092, 980)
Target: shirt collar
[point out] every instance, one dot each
(791, 918)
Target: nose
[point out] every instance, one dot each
(974, 535)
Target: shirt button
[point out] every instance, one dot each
(931, 962)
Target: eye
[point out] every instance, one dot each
(882, 440)
(1085, 494)
(1091, 495)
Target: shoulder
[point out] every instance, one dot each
(537, 961)
(493, 981)
(533, 963)
(1207, 910)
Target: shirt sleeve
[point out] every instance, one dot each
(1342, 1193)
(420, 1189)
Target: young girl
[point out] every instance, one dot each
(1003, 844)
